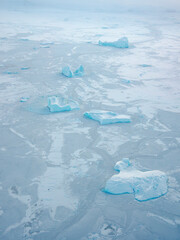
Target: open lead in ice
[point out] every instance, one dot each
(106, 117)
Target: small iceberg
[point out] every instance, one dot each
(144, 185)
(79, 72)
(25, 68)
(24, 99)
(145, 65)
(57, 104)
(66, 71)
(106, 117)
(120, 43)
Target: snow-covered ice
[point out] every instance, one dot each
(120, 43)
(107, 117)
(58, 104)
(145, 185)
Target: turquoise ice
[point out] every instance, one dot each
(107, 117)
(120, 43)
(66, 71)
(144, 185)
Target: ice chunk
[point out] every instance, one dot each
(24, 68)
(66, 71)
(106, 117)
(24, 99)
(144, 185)
(145, 65)
(57, 104)
(120, 43)
(79, 72)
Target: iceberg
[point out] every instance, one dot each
(120, 43)
(106, 117)
(79, 72)
(24, 99)
(57, 104)
(66, 71)
(144, 185)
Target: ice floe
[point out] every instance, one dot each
(144, 185)
(106, 117)
(120, 43)
(57, 104)
(79, 72)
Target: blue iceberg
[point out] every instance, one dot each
(106, 117)
(120, 43)
(79, 72)
(24, 99)
(66, 71)
(144, 185)
(57, 104)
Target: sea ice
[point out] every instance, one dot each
(106, 117)
(120, 43)
(144, 185)
(66, 71)
(57, 104)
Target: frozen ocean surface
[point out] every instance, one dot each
(54, 166)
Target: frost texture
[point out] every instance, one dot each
(66, 71)
(57, 104)
(144, 185)
(106, 117)
(120, 43)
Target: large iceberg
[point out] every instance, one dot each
(106, 117)
(57, 104)
(66, 71)
(144, 185)
(120, 43)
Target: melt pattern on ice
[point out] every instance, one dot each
(144, 185)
